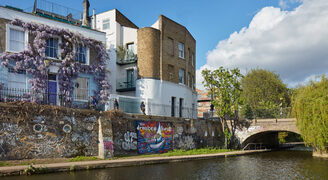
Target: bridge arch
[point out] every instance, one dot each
(267, 128)
(267, 138)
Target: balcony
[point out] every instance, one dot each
(125, 56)
(123, 85)
(127, 60)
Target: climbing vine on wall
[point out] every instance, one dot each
(32, 61)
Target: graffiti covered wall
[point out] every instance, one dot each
(30, 131)
(154, 137)
(145, 135)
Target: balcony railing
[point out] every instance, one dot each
(53, 10)
(125, 56)
(127, 60)
(125, 85)
(25, 95)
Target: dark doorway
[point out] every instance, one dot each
(173, 106)
(180, 107)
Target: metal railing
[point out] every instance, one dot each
(132, 105)
(254, 146)
(44, 98)
(125, 85)
(43, 6)
(127, 60)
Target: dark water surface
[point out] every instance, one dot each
(271, 165)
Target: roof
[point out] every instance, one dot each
(124, 21)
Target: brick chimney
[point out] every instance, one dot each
(86, 18)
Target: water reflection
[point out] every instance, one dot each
(273, 165)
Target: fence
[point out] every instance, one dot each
(263, 113)
(17, 94)
(132, 105)
(44, 6)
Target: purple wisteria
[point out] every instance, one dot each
(32, 61)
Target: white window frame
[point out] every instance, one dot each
(58, 49)
(88, 87)
(106, 23)
(16, 82)
(87, 60)
(183, 73)
(8, 27)
(182, 56)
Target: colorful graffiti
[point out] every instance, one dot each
(154, 137)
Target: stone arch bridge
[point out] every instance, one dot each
(266, 131)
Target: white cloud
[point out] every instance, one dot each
(283, 4)
(291, 43)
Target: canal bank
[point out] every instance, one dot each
(100, 164)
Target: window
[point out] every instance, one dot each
(181, 50)
(81, 89)
(130, 78)
(81, 54)
(105, 24)
(180, 107)
(171, 72)
(192, 59)
(181, 76)
(130, 51)
(16, 38)
(52, 48)
(170, 46)
(130, 47)
(16, 79)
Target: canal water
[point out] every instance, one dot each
(262, 166)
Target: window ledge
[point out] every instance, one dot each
(53, 59)
(81, 100)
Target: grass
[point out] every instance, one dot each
(83, 158)
(3, 163)
(178, 153)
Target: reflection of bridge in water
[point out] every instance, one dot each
(265, 131)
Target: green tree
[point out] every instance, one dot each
(264, 91)
(310, 105)
(225, 88)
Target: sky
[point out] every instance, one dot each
(288, 37)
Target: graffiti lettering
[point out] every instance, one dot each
(130, 141)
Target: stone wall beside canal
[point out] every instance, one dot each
(29, 131)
